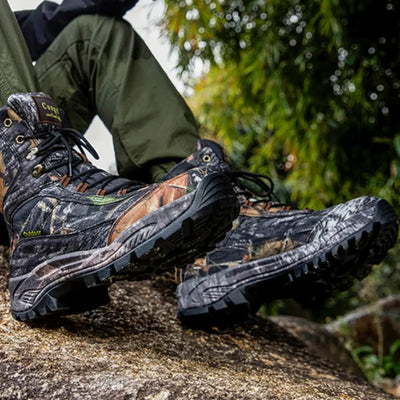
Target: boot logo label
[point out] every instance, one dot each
(104, 200)
(32, 233)
(48, 111)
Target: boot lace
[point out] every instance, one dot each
(258, 187)
(65, 139)
(256, 190)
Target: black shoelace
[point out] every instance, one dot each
(65, 139)
(257, 187)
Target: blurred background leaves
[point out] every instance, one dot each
(304, 91)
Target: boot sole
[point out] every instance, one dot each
(200, 227)
(235, 294)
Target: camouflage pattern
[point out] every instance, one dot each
(277, 241)
(256, 234)
(209, 155)
(87, 224)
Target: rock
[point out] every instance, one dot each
(376, 325)
(391, 386)
(319, 341)
(135, 348)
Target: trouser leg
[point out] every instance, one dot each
(16, 71)
(99, 65)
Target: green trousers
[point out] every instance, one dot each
(100, 66)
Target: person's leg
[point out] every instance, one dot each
(16, 71)
(99, 65)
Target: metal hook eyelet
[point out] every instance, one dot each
(31, 155)
(20, 139)
(37, 170)
(7, 122)
(206, 158)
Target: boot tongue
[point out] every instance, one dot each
(37, 109)
(216, 148)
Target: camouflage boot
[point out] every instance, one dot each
(274, 251)
(74, 227)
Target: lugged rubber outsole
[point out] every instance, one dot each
(209, 216)
(334, 269)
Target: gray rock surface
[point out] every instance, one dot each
(319, 340)
(135, 348)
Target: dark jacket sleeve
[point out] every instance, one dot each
(41, 26)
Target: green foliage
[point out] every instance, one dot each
(391, 361)
(306, 91)
(376, 368)
(369, 363)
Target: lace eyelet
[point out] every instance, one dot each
(20, 139)
(206, 158)
(37, 170)
(31, 154)
(7, 122)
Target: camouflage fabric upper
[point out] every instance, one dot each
(259, 232)
(265, 230)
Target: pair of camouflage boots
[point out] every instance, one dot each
(75, 229)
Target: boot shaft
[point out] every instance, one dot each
(28, 122)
